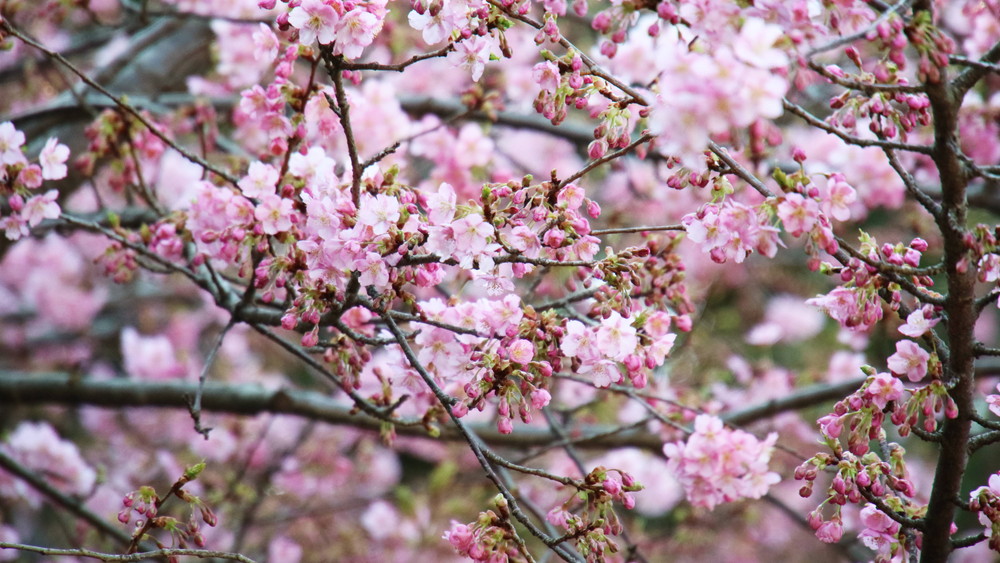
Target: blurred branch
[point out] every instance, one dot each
(63, 500)
(120, 102)
(22, 388)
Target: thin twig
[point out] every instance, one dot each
(199, 553)
(209, 360)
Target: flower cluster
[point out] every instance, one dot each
(716, 464)
(148, 504)
(706, 89)
(349, 26)
(589, 516)
(732, 231)
(37, 446)
(490, 538)
(986, 501)
(19, 178)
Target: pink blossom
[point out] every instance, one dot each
(540, 398)
(315, 19)
(918, 323)
(798, 214)
(603, 372)
(472, 233)
(909, 360)
(260, 181)
(150, 357)
(380, 212)
(315, 167)
(357, 30)
(14, 227)
(853, 308)
(731, 231)
(525, 240)
(461, 537)
(755, 44)
(884, 388)
(10, 144)
(831, 426)
(616, 338)
(717, 465)
(472, 55)
(265, 43)
(661, 347)
(839, 197)
(275, 214)
(546, 75)
(41, 207)
(578, 340)
(37, 446)
(373, 270)
(989, 268)
(53, 159)
(437, 27)
(830, 531)
(571, 196)
(441, 204)
(993, 400)
(657, 324)
(521, 351)
(31, 176)
(880, 530)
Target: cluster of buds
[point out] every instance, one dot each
(490, 538)
(589, 517)
(562, 85)
(986, 501)
(147, 503)
(143, 501)
(931, 44)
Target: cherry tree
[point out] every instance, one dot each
(499, 280)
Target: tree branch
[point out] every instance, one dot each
(199, 553)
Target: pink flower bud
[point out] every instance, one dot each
(504, 425)
(540, 398)
(612, 486)
(125, 515)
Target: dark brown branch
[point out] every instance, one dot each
(849, 139)
(959, 305)
(17, 388)
(802, 398)
(977, 69)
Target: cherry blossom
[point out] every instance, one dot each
(994, 401)
(315, 20)
(10, 144)
(260, 181)
(884, 388)
(369, 278)
(52, 159)
(798, 213)
(717, 465)
(472, 55)
(918, 323)
(909, 360)
(615, 337)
